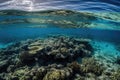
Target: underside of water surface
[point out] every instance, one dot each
(59, 45)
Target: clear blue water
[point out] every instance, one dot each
(11, 34)
(98, 20)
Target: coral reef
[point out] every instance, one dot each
(53, 58)
(56, 49)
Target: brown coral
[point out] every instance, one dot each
(91, 65)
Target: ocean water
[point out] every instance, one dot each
(23, 22)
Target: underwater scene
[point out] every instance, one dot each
(59, 40)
